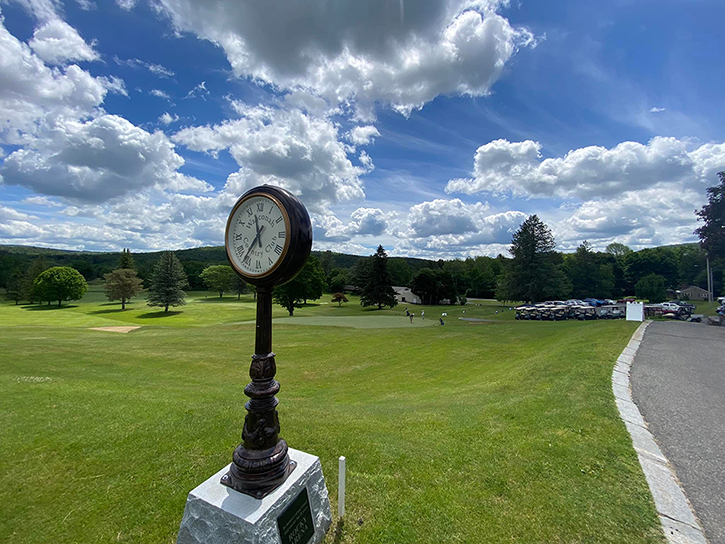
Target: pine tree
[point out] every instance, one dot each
(167, 282)
(15, 286)
(126, 260)
(378, 289)
(37, 267)
(535, 273)
(239, 286)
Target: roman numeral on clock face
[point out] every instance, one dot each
(282, 234)
(260, 206)
(278, 249)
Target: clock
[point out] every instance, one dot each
(268, 236)
(268, 239)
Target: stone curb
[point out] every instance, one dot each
(677, 517)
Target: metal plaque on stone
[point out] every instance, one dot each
(295, 523)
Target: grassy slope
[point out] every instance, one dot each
(494, 432)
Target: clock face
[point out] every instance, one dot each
(257, 235)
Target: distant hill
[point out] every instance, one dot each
(93, 264)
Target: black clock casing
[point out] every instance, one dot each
(299, 237)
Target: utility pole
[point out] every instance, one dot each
(709, 280)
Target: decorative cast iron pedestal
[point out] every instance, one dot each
(261, 463)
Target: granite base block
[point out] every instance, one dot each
(216, 514)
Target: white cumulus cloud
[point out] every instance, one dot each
(363, 135)
(56, 42)
(399, 53)
(503, 167)
(286, 147)
(97, 160)
(33, 94)
(166, 118)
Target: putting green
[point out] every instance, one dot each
(358, 322)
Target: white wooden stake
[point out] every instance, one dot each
(341, 487)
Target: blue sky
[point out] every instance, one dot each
(431, 127)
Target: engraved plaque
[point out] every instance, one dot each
(295, 523)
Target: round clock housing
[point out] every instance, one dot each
(268, 236)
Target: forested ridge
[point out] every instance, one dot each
(611, 273)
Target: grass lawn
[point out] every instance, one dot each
(499, 431)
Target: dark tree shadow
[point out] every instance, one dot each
(45, 307)
(114, 311)
(153, 315)
(224, 299)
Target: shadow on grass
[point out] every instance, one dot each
(45, 307)
(224, 299)
(153, 315)
(114, 311)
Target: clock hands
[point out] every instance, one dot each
(258, 237)
(259, 232)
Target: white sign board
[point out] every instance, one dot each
(635, 311)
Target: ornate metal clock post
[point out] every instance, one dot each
(268, 240)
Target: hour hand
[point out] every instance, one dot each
(259, 231)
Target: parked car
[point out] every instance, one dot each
(683, 304)
(670, 307)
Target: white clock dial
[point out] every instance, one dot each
(257, 235)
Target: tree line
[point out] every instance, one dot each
(534, 272)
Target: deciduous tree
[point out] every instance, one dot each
(312, 277)
(339, 298)
(122, 284)
(168, 281)
(219, 277)
(652, 288)
(618, 250)
(338, 282)
(307, 285)
(60, 283)
(712, 233)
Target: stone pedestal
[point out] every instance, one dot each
(216, 514)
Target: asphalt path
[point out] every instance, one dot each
(678, 383)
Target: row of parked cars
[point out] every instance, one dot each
(677, 309)
(590, 308)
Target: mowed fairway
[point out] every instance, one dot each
(498, 431)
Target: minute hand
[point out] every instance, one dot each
(259, 231)
(259, 234)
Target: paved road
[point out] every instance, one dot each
(678, 382)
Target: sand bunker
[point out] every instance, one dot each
(115, 329)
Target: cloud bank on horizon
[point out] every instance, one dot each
(434, 128)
